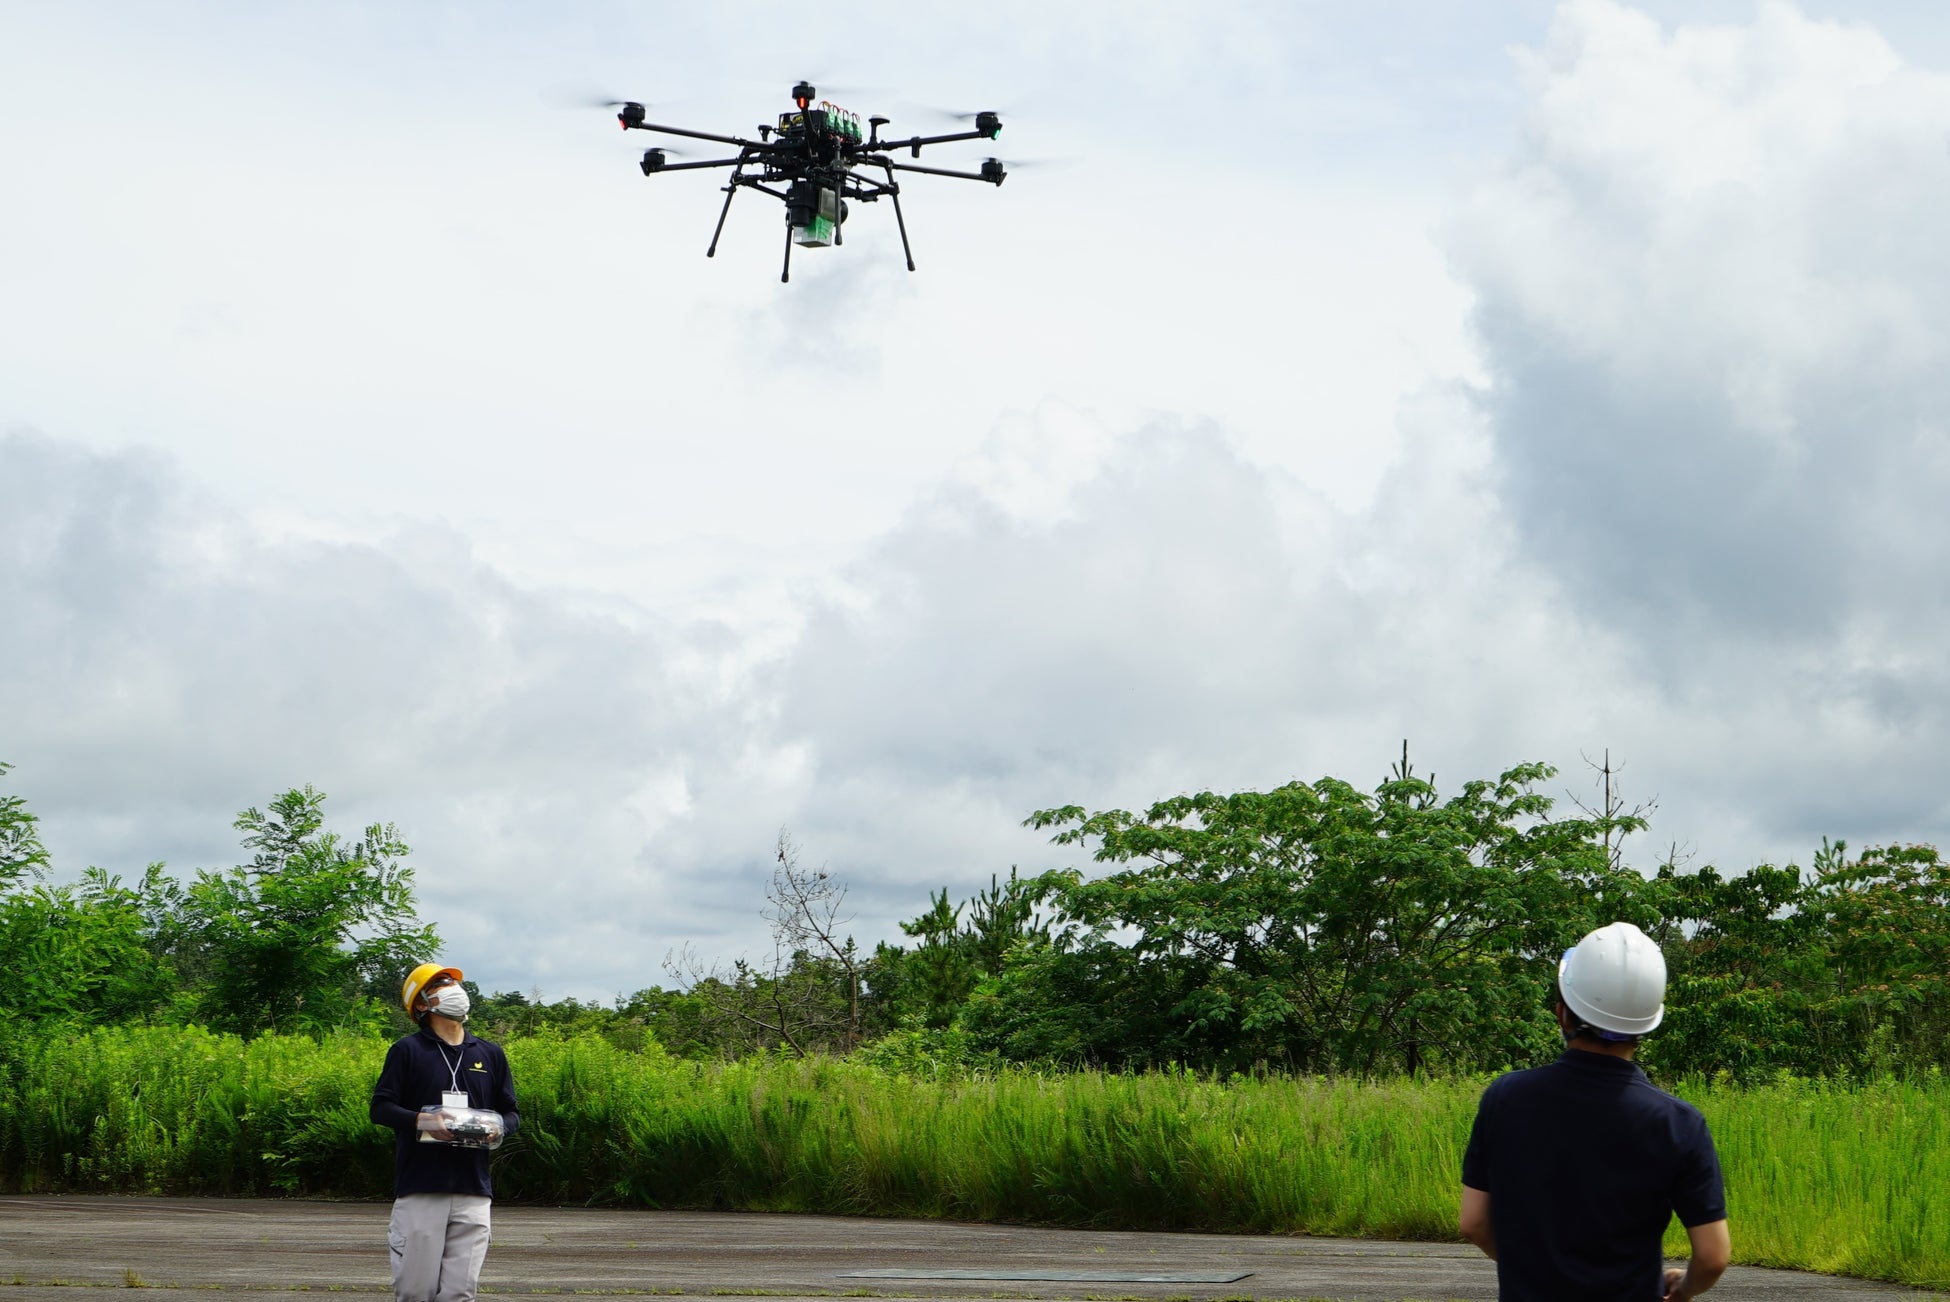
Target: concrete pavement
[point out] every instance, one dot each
(78, 1249)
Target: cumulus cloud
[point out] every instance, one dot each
(1715, 308)
(162, 665)
(1688, 514)
(1185, 618)
(1077, 615)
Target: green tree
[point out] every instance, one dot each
(1316, 927)
(21, 851)
(931, 983)
(1844, 969)
(81, 955)
(1745, 969)
(1886, 921)
(301, 937)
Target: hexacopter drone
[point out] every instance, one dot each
(811, 160)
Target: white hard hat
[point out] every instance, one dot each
(1615, 979)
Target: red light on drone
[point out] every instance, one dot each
(802, 102)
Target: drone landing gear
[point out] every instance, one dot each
(785, 276)
(730, 191)
(901, 221)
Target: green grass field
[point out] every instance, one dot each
(1821, 1176)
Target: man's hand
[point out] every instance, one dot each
(434, 1123)
(1712, 1251)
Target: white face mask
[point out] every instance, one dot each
(450, 1001)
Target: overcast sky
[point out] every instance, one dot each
(1520, 379)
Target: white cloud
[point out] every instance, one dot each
(593, 564)
(1716, 309)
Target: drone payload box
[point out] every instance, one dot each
(821, 224)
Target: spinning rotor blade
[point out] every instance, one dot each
(589, 95)
(957, 115)
(841, 89)
(582, 95)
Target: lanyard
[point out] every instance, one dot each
(453, 1068)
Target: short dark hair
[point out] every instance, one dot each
(1582, 1029)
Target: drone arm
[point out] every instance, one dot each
(692, 167)
(936, 171)
(914, 143)
(696, 135)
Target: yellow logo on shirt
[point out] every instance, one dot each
(478, 1067)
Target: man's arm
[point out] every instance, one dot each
(504, 1094)
(1712, 1253)
(1474, 1221)
(389, 1107)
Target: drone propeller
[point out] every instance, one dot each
(583, 95)
(957, 115)
(846, 90)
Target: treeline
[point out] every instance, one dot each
(1313, 928)
(309, 934)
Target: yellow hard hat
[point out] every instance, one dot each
(416, 981)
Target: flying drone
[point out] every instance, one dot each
(814, 160)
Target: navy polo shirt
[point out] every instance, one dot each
(1585, 1161)
(420, 1068)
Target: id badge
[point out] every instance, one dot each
(454, 1099)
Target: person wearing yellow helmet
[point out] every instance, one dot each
(1574, 1169)
(448, 1097)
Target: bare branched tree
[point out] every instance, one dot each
(807, 997)
(1617, 820)
(803, 906)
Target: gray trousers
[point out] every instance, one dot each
(438, 1243)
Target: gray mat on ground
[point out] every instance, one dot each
(1056, 1276)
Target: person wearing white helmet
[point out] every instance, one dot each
(449, 1098)
(1574, 1169)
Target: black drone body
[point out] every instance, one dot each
(814, 160)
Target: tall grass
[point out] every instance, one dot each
(1822, 1176)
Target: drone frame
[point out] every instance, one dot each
(822, 158)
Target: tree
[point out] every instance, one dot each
(296, 939)
(1745, 969)
(932, 982)
(808, 998)
(81, 954)
(1886, 921)
(1317, 927)
(21, 851)
(1844, 969)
